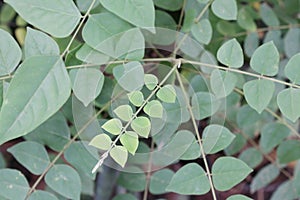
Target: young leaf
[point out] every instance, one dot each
(87, 84)
(160, 180)
(238, 197)
(252, 157)
(124, 112)
(25, 108)
(101, 141)
(265, 176)
(130, 141)
(265, 59)
(113, 126)
(222, 83)
(136, 98)
(216, 138)
(204, 105)
(130, 76)
(10, 53)
(190, 179)
(271, 135)
(154, 109)
(40, 194)
(228, 172)
(292, 69)
(167, 94)
(64, 180)
(138, 12)
(13, 184)
(259, 93)
(225, 9)
(39, 43)
(268, 16)
(151, 81)
(59, 17)
(202, 31)
(31, 155)
(288, 151)
(287, 102)
(231, 54)
(119, 154)
(142, 126)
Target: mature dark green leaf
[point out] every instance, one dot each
(59, 18)
(40, 194)
(288, 104)
(135, 180)
(268, 15)
(292, 42)
(251, 43)
(238, 197)
(252, 157)
(225, 9)
(44, 90)
(190, 179)
(247, 116)
(231, 54)
(10, 53)
(288, 151)
(285, 191)
(160, 180)
(64, 180)
(292, 69)
(124, 197)
(171, 5)
(204, 105)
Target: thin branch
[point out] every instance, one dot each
(149, 169)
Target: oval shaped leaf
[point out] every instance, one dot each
(238, 197)
(119, 154)
(124, 112)
(142, 126)
(151, 81)
(31, 155)
(101, 141)
(245, 20)
(130, 141)
(202, 31)
(231, 54)
(259, 93)
(229, 171)
(136, 98)
(288, 104)
(40, 194)
(167, 94)
(252, 157)
(288, 151)
(268, 15)
(113, 126)
(160, 180)
(44, 90)
(225, 9)
(265, 59)
(59, 17)
(154, 109)
(292, 42)
(10, 53)
(222, 82)
(216, 138)
(204, 105)
(64, 180)
(190, 179)
(292, 69)
(13, 184)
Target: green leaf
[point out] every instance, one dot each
(292, 69)
(138, 12)
(124, 112)
(204, 104)
(285, 191)
(288, 151)
(101, 141)
(167, 94)
(119, 154)
(225, 9)
(160, 180)
(125, 197)
(288, 104)
(31, 155)
(59, 18)
(151, 81)
(154, 109)
(136, 98)
(296, 181)
(64, 180)
(268, 15)
(222, 82)
(265, 59)
(54, 132)
(87, 84)
(130, 76)
(216, 138)
(89, 55)
(192, 153)
(238, 197)
(251, 43)
(271, 135)
(247, 116)
(265, 176)
(142, 126)
(231, 54)
(40, 194)
(133, 180)
(259, 93)
(13, 184)
(292, 42)
(84, 5)
(202, 31)
(245, 20)
(44, 90)
(39, 43)
(7, 14)
(113, 126)
(190, 179)
(170, 5)
(252, 157)
(130, 141)
(10, 53)
(228, 172)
